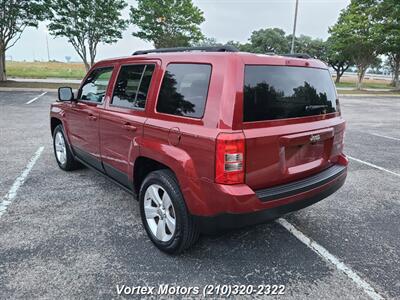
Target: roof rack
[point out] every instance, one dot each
(225, 48)
(297, 55)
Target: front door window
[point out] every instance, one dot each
(95, 86)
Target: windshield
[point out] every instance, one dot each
(280, 92)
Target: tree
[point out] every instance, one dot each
(167, 23)
(355, 33)
(337, 57)
(270, 40)
(207, 42)
(241, 47)
(388, 18)
(86, 24)
(393, 62)
(15, 16)
(376, 66)
(316, 48)
(275, 40)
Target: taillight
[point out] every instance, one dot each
(337, 147)
(230, 158)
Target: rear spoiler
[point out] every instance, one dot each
(298, 55)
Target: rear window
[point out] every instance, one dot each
(184, 90)
(280, 92)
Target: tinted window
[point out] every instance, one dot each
(277, 92)
(144, 86)
(184, 90)
(132, 85)
(95, 86)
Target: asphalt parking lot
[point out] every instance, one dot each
(76, 235)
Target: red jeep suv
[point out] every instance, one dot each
(207, 138)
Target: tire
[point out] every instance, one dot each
(185, 232)
(64, 156)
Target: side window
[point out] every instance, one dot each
(132, 86)
(95, 87)
(144, 86)
(184, 90)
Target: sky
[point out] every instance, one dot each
(224, 20)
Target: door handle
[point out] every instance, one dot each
(92, 117)
(129, 127)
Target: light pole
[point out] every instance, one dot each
(47, 44)
(294, 26)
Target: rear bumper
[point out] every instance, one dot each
(268, 204)
(300, 186)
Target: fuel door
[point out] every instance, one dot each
(174, 136)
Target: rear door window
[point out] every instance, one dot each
(184, 90)
(280, 92)
(132, 86)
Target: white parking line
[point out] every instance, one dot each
(385, 136)
(18, 182)
(321, 251)
(373, 166)
(34, 99)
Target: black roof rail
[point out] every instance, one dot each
(297, 55)
(225, 48)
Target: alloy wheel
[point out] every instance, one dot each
(61, 151)
(159, 212)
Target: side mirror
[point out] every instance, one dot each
(65, 94)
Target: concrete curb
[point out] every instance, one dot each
(369, 95)
(18, 89)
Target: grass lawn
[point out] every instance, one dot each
(45, 70)
(369, 82)
(366, 84)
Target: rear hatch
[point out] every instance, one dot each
(292, 123)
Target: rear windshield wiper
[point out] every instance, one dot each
(315, 107)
